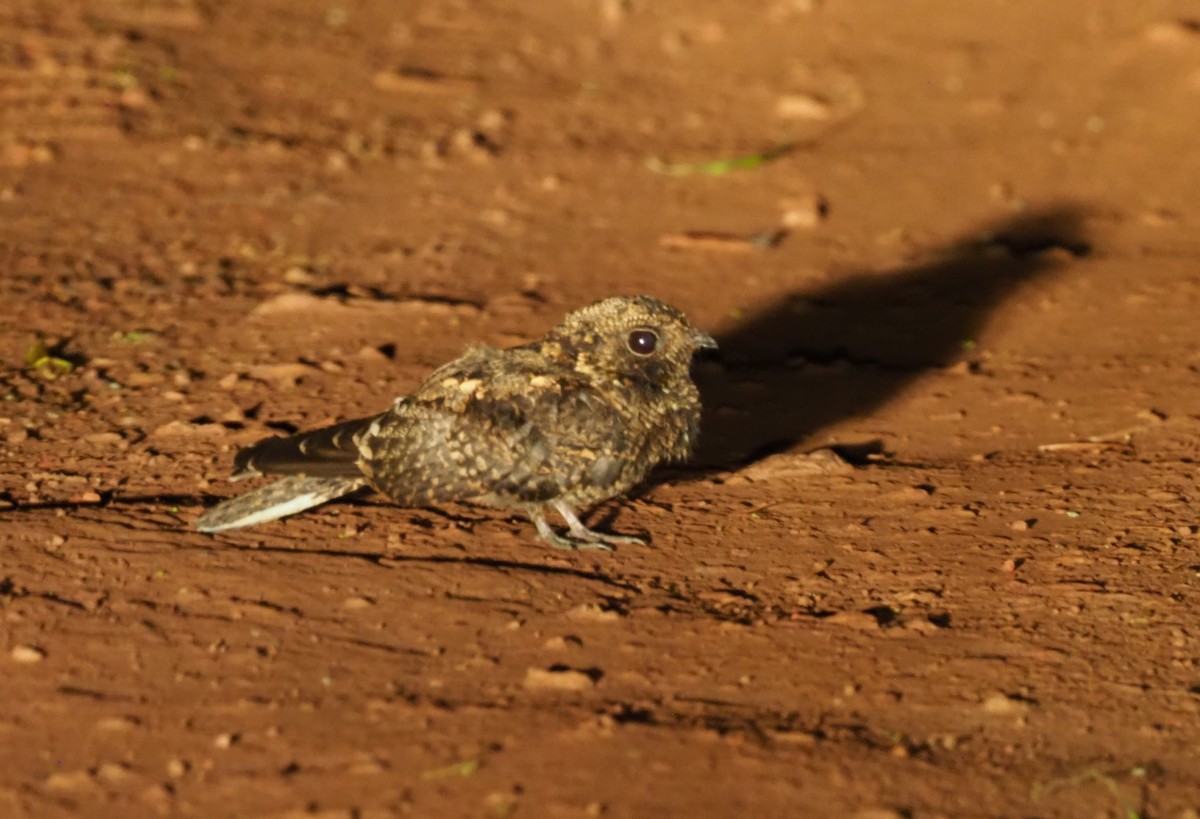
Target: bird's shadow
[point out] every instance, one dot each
(816, 357)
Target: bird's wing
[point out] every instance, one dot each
(329, 452)
(517, 437)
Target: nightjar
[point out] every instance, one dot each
(577, 417)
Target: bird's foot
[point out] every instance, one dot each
(569, 544)
(575, 545)
(592, 536)
(586, 535)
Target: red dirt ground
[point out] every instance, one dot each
(936, 557)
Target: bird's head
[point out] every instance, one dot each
(632, 336)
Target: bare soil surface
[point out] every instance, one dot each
(937, 555)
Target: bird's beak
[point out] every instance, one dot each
(704, 341)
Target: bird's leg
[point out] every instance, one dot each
(558, 541)
(581, 532)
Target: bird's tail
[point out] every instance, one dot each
(286, 496)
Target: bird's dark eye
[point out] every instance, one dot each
(643, 341)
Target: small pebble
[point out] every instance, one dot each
(805, 212)
(566, 679)
(561, 643)
(298, 276)
(67, 781)
(859, 620)
(118, 724)
(157, 794)
(104, 438)
(1013, 563)
(613, 12)
(471, 144)
(802, 106)
(113, 772)
(1001, 705)
(493, 119)
(1172, 32)
(593, 613)
(178, 428)
(27, 654)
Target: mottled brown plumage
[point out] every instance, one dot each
(562, 423)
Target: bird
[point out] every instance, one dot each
(559, 424)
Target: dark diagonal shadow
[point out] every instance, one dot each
(819, 356)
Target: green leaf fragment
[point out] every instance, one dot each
(719, 167)
(39, 359)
